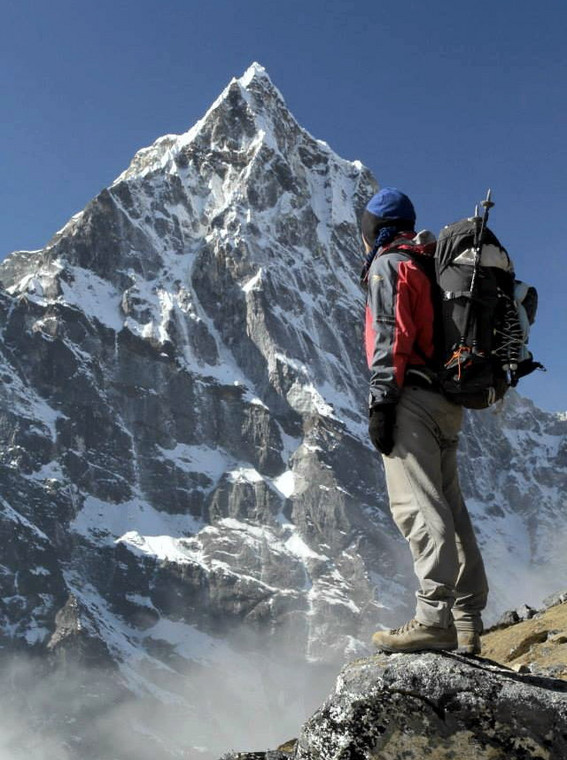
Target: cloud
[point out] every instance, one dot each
(68, 712)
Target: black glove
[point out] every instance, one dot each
(381, 427)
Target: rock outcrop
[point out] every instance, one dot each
(437, 706)
(434, 705)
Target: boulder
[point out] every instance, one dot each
(439, 706)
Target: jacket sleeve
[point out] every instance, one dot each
(398, 305)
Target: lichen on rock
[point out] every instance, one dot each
(438, 706)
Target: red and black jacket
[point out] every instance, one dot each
(399, 331)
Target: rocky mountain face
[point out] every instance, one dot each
(185, 477)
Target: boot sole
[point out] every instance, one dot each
(411, 650)
(467, 650)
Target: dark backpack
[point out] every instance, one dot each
(482, 327)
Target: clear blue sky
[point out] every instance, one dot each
(439, 98)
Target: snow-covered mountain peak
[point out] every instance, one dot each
(256, 78)
(255, 71)
(248, 110)
(250, 114)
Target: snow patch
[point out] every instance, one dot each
(95, 297)
(163, 548)
(254, 282)
(245, 475)
(285, 483)
(106, 522)
(296, 545)
(205, 460)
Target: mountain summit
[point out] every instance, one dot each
(183, 446)
(251, 104)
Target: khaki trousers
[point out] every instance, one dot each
(428, 508)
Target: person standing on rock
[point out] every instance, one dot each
(416, 429)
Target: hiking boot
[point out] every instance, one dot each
(415, 637)
(468, 642)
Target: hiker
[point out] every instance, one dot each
(415, 428)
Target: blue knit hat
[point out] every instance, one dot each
(390, 203)
(388, 208)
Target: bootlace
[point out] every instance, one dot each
(409, 626)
